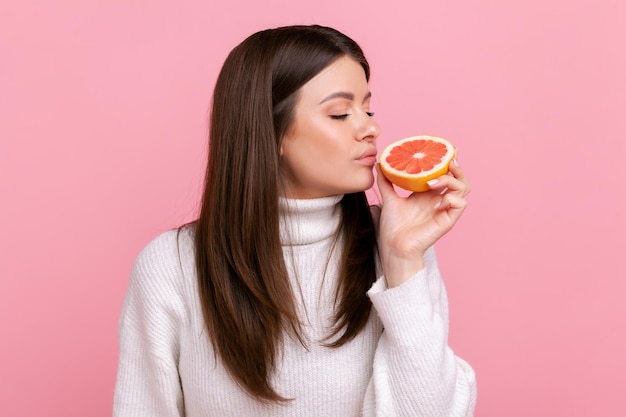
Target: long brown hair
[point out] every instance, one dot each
(244, 287)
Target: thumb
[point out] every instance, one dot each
(384, 185)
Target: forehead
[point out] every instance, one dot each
(345, 74)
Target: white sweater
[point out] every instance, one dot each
(167, 366)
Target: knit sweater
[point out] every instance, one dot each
(399, 365)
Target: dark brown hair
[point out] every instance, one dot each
(244, 287)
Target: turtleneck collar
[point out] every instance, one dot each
(308, 221)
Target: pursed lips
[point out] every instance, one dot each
(368, 157)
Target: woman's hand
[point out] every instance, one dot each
(410, 225)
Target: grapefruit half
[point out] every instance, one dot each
(411, 162)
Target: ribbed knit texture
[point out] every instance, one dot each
(168, 368)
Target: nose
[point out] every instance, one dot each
(369, 130)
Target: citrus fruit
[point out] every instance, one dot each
(411, 162)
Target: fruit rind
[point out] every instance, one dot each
(419, 182)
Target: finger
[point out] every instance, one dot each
(384, 185)
(449, 184)
(457, 172)
(455, 169)
(453, 204)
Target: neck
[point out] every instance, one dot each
(308, 221)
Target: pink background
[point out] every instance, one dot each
(102, 147)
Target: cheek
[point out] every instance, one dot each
(316, 145)
(330, 142)
(312, 163)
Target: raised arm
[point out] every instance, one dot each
(415, 372)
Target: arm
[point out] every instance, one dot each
(415, 372)
(147, 381)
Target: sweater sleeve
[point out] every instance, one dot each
(415, 372)
(148, 383)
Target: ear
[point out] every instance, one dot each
(281, 145)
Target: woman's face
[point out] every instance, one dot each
(331, 146)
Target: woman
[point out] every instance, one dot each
(288, 297)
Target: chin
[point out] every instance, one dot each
(362, 186)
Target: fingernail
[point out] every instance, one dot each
(437, 204)
(432, 182)
(456, 163)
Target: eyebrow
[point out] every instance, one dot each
(344, 95)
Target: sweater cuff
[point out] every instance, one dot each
(406, 311)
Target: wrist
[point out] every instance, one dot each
(399, 269)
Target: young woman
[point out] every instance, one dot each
(290, 296)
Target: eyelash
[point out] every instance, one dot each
(344, 116)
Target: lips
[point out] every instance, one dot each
(368, 157)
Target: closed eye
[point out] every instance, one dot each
(344, 116)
